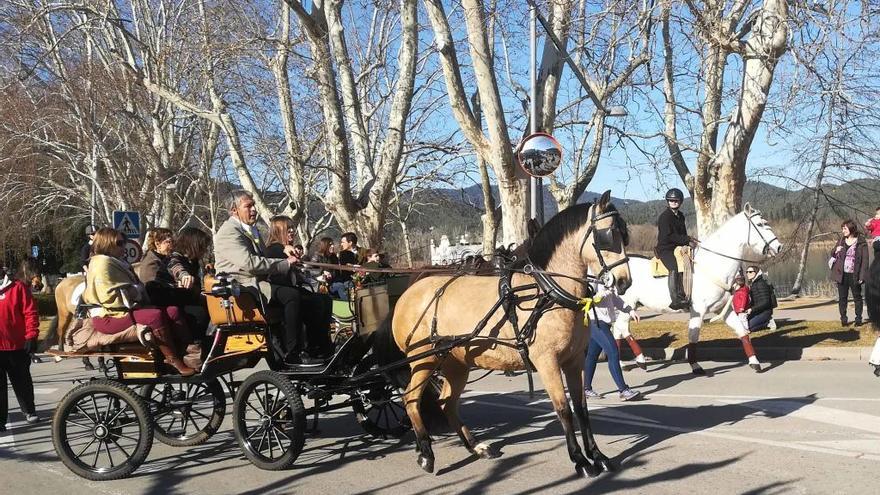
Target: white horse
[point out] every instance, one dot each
(741, 239)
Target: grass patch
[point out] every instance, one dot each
(790, 333)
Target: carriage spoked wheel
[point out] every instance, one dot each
(102, 430)
(185, 414)
(379, 409)
(269, 420)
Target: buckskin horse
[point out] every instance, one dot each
(551, 285)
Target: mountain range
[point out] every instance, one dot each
(458, 210)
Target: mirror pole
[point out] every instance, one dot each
(535, 189)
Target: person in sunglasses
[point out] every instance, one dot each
(763, 297)
(121, 300)
(672, 233)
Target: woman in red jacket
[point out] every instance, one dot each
(19, 328)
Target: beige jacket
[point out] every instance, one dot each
(111, 284)
(236, 253)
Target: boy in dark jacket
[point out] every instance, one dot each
(19, 329)
(671, 233)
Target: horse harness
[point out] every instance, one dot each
(550, 293)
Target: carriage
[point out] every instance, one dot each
(103, 429)
(443, 325)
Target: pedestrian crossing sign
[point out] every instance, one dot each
(128, 222)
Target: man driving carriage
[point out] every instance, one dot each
(672, 233)
(239, 251)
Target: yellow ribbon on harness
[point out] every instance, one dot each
(587, 303)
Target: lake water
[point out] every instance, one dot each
(817, 278)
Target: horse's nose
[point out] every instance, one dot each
(623, 284)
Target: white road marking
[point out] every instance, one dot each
(814, 447)
(812, 412)
(760, 397)
(45, 391)
(7, 439)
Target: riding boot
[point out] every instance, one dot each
(172, 359)
(682, 297)
(672, 280)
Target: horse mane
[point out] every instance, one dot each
(562, 224)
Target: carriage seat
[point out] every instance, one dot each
(244, 306)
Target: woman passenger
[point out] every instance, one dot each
(190, 248)
(121, 299)
(314, 310)
(153, 268)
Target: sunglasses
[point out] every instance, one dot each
(750, 271)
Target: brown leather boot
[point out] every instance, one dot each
(193, 357)
(172, 359)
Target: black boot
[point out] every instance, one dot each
(684, 303)
(673, 281)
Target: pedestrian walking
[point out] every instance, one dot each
(849, 269)
(605, 312)
(19, 329)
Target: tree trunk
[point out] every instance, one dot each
(817, 190)
(296, 180)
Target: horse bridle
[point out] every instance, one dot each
(766, 249)
(748, 240)
(603, 239)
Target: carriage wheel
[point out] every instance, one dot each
(270, 420)
(380, 410)
(185, 414)
(102, 431)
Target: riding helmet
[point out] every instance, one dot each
(674, 194)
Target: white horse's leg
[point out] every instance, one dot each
(694, 325)
(621, 332)
(875, 357)
(734, 322)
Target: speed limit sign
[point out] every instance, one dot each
(132, 251)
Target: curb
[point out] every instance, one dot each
(763, 353)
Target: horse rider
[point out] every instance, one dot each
(672, 233)
(239, 251)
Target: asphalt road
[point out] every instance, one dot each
(801, 427)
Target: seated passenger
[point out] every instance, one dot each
(325, 255)
(190, 247)
(121, 299)
(315, 309)
(239, 251)
(153, 268)
(348, 255)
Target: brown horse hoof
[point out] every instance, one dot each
(699, 371)
(877, 370)
(642, 365)
(486, 451)
(756, 367)
(426, 463)
(587, 470)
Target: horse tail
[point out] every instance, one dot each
(52, 335)
(872, 294)
(387, 352)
